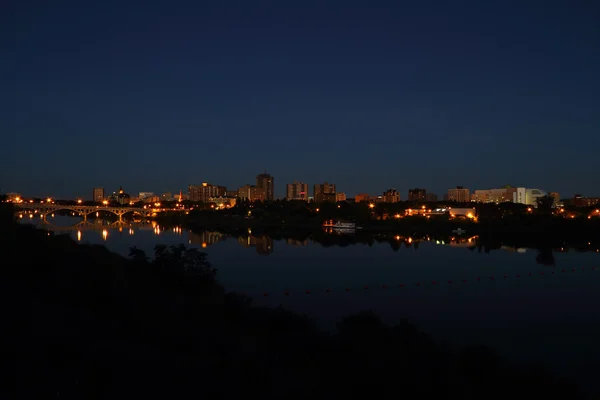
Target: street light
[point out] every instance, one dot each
(105, 202)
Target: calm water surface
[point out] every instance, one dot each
(549, 317)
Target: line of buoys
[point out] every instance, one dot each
(402, 285)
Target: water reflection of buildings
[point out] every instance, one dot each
(296, 242)
(263, 244)
(205, 238)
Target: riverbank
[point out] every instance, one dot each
(82, 322)
(519, 231)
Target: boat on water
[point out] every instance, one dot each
(339, 225)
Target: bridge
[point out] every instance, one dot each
(94, 226)
(44, 209)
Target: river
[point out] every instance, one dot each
(503, 298)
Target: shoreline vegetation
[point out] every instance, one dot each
(82, 322)
(503, 224)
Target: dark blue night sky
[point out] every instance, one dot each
(368, 95)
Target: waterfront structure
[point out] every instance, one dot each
(459, 194)
(391, 196)
(340, 196)
(324, 192)
(205, 191)
(417, 194)
(297, 191)
(266, 182)
(527, 196)
(98, 195)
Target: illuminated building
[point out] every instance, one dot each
(391, 196)
(527, 196)
(205, 191)
(459, 194)
(494, 195)
(340, 196)
(417, 194)
(14, 197)
(362, 197)
(223, 202)
(297, 191)
(267, 183)
(252, 193)
(464, 212)
(98, 195)
(121, 197)
(556, 197)
(324, 192)
(582, 201)
(145, 195)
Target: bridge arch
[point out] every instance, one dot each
(45, 211)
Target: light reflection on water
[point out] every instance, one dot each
(531, 317)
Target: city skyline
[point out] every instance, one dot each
(161, 96)
(204, 191)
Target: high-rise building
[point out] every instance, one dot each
(430, 197)
(459, 194)
(252, 193)
(340, 196)
(205, 191)
(391, 196)
(98, 195)
(266, 182)
(417, 194)
(297, 191)
(324, 192)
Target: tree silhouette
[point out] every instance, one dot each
(544, 204)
